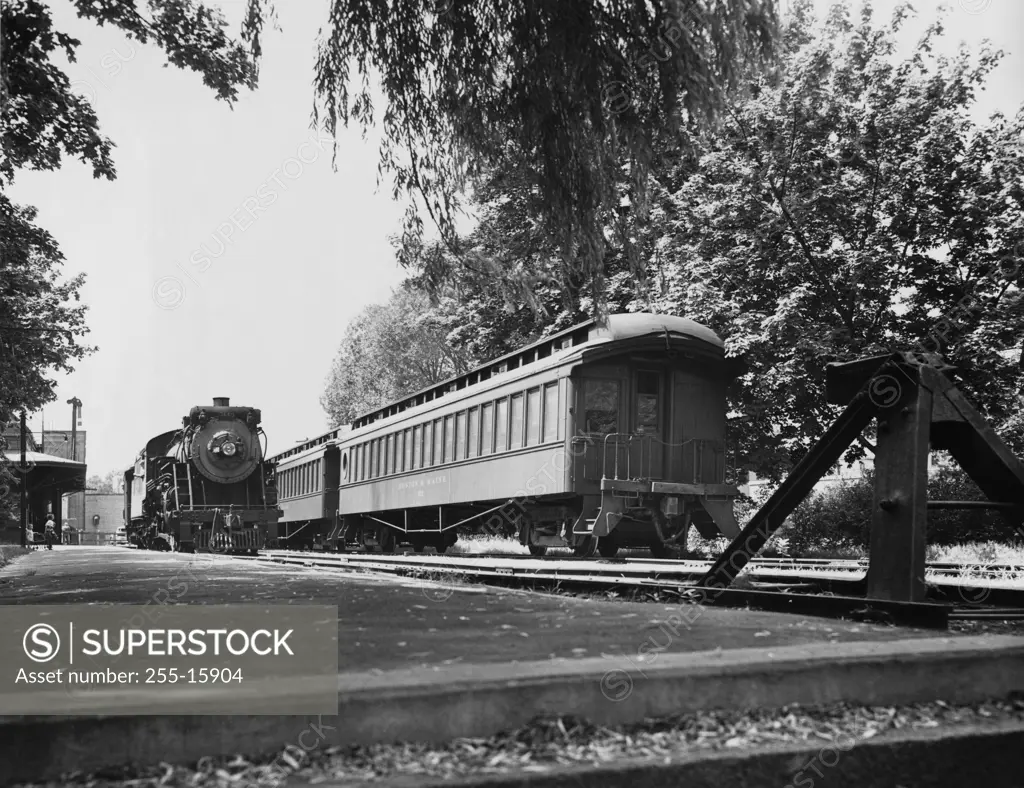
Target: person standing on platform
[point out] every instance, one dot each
(50, 532)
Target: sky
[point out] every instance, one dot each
(228, 257)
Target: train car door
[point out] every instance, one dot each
(647, 450)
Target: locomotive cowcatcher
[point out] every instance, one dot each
(204, 487)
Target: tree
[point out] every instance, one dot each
(850, 206)
(578, 91)
(111, 482)
(390, 351)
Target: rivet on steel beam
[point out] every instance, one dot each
(883, 426)
(907, 413)
(887, 504)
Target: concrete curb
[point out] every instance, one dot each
(478, 700)
(955, 756)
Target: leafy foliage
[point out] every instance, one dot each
(110, 482)
(387, 352)
(44, 120)
(574, 94)
(839, 211)
(42, 319)
(839, 516)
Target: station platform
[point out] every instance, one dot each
(431, 661)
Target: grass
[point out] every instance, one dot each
(967, 553)
(978, 553)
(8, 552)
(485, 544)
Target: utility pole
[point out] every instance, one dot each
(24, 483)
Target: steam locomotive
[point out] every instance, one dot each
(204, 487)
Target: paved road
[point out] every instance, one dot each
(391, 623)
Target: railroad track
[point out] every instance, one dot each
(766, 576)
(811, 568)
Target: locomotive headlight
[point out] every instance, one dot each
(229, 449)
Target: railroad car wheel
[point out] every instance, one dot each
(538, 549)
(586, 548)
(387, 541)
(607, 547)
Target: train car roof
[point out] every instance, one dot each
(591, 332)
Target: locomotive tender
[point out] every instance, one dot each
(606, 435)
(205, 487)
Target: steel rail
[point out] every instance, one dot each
(770, 593)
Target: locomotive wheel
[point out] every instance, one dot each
(538, 549)
(608, 547)
(586, 548)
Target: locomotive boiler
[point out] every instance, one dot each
(204, 487)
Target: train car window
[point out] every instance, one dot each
(550, 412)
(474, 433)
(438, 441)
(408, 450)
(516, 426)
(389, 456)
(449, 437)
(400, 452)
(375, 462)
(501, 425)
(648, 397)
(487, 428)
(460, 436)
(363, 461)
(533, 417)
(601, 406)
